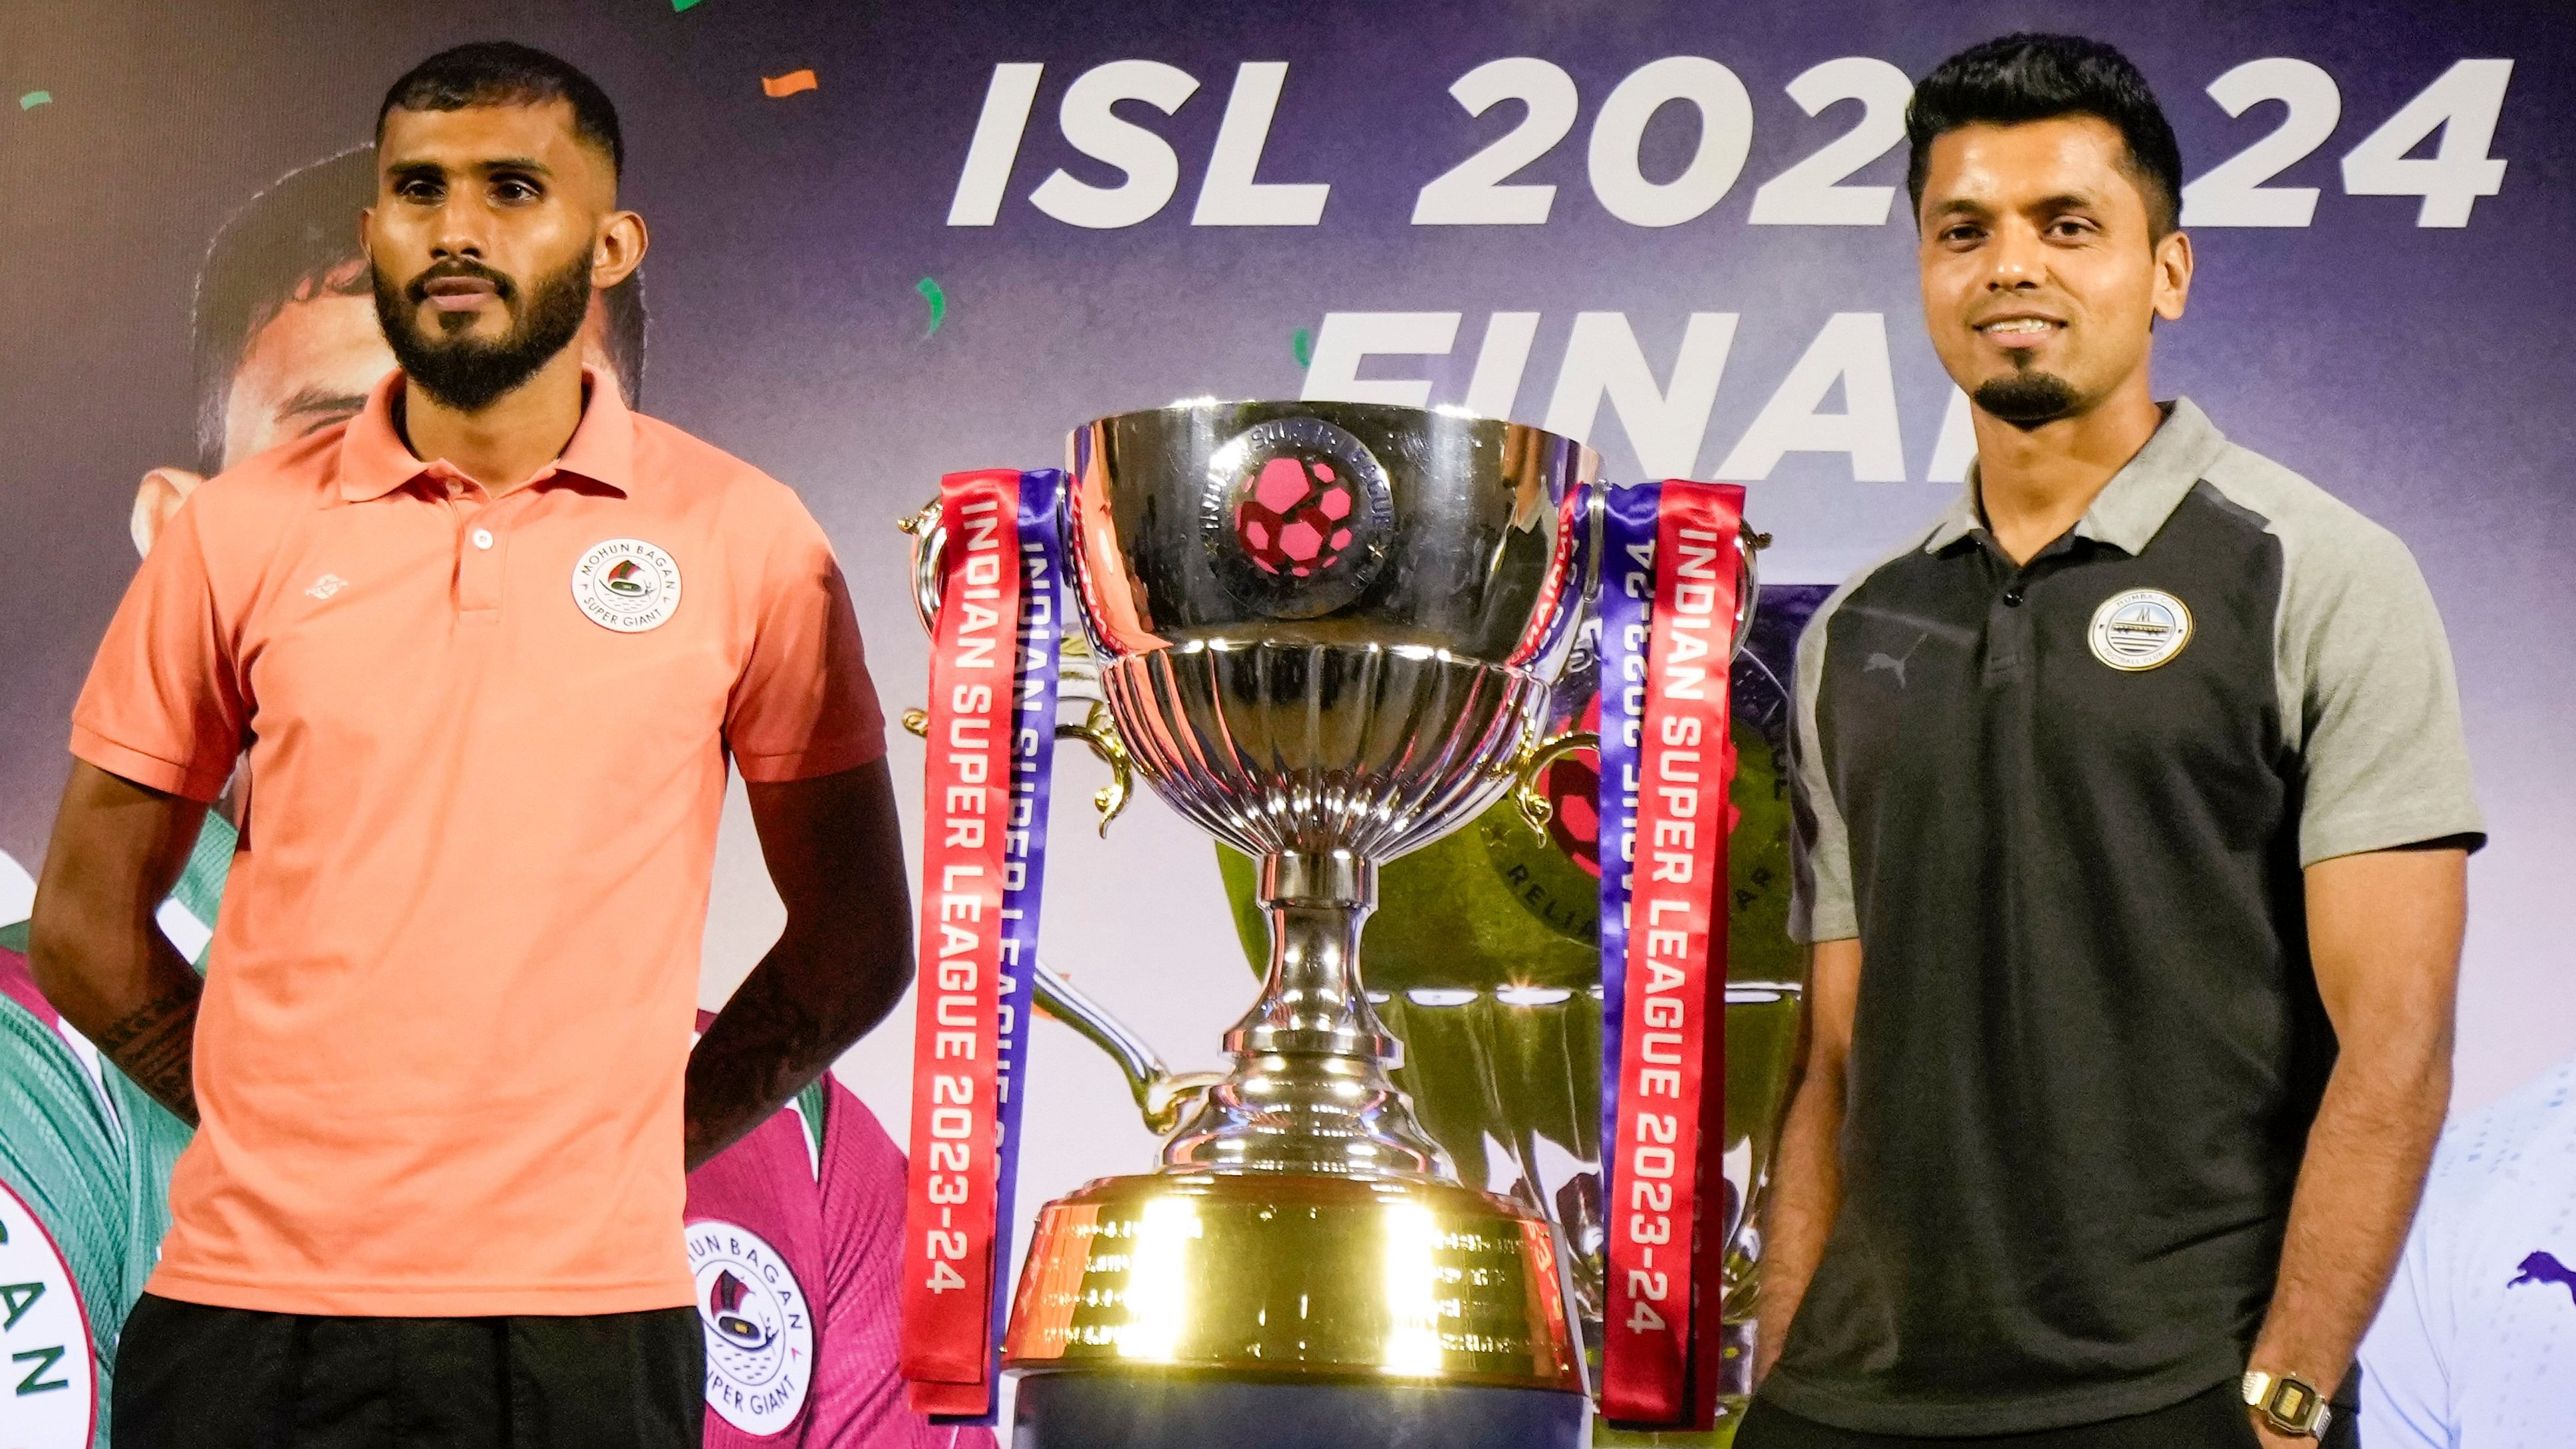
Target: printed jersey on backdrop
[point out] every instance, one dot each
(2476, 1345)
(793, 1241)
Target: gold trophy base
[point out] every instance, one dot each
(1293, 1275)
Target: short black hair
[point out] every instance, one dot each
(2029, 77)
(297, 240)
(506, 73)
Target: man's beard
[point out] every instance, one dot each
(2027, 399)
(468, 373)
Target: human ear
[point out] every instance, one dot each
(156, 499)
(617, 249)
(2173, 275)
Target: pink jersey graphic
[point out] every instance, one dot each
(795, 1250)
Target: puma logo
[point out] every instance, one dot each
(327, 585)
(2545, 1268)
(1893, 664)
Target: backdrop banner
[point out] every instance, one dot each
(893, 241)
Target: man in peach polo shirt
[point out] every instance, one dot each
(488, 645)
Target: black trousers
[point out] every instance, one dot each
(2213, 1420)
(193, 1377)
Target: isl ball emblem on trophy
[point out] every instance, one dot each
(1327, 634)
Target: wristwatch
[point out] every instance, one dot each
(2288, 1403)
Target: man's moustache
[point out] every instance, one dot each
(418, 289)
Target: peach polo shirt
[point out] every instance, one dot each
(452, 988)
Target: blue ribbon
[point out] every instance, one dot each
(1625, 603)
(1041, 633)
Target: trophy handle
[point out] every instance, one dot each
(1748, 569)
(1100, 734)
(929, 545)
(1077, 668)
(1529, 768)
(1162, 1095)
(1078, 672)
(1748, 586)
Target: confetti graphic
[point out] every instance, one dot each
(1302, 346)
(680, 5)
(789, 84)
(937, 299)
(33, 99)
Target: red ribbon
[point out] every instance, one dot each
(1666, 1262)
(950, 1216)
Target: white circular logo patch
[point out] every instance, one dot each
(760, 1330)
(2139, 629)
(52, 1384)
(627, 585)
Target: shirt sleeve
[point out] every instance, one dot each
(164, 705)
(2368, 672)
(1820, 889)
(804, 705)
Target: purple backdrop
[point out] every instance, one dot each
(2420, 372)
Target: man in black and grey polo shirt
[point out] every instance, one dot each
(2137, 782)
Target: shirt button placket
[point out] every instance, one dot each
(478, 566)
(2007, 635)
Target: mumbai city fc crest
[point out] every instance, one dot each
(759, 1327)
(51, 1383)
(1296, 515)
(2139, 629)
(627, 585)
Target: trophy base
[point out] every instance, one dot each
(1391, 1282)
(1191, 1411)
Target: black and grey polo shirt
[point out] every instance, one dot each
(2065, 807)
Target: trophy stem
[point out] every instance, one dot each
(1309, 1091)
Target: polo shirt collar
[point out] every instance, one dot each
(2130, 509)
(1960, 519)
(374, 460)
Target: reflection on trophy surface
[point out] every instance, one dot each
(1328, 634)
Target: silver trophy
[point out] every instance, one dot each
(1323, 632)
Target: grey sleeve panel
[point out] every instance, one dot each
(2368, 700)
(1820, 878)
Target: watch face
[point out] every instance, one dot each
(2291, 1405)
